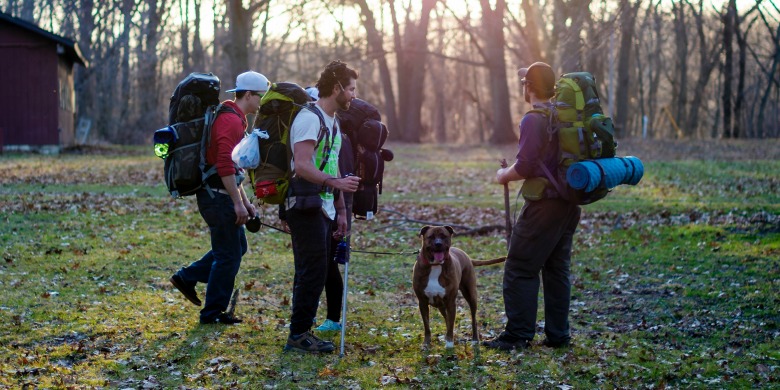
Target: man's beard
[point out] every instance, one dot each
(342, 101)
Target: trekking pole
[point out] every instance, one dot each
(506, 208)
(342, 257)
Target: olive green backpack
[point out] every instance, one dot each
(584, 133)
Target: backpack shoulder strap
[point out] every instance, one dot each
(212, 113)
(552, 130)
(323, 134)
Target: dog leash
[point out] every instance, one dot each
(387, 253)
(351, 250)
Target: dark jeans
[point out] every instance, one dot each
(334, 283)
(310, 231)
(541, 241)
(219, 266)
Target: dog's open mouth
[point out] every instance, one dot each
(438, 258)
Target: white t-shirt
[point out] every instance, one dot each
(306, 126)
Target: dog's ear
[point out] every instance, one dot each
(450, 229)
(424, 229)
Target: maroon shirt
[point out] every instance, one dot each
(226, 133)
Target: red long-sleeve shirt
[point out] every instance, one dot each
(226, 133)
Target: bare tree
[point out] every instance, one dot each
(709, 49)
(154, 17)
(627, 26)
(649, 61)
(770, 71)
(671, 72)
(493, 54)
(129, 9)
(240, 31)
(377, 52)
(680, 78)
(568, 25)
(728, 35)
(741, 36)
(411, 50)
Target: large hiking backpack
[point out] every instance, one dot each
(367, 134)
(278, 109)
(584, 132)
(182, 144)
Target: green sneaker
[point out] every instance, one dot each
(329, 326)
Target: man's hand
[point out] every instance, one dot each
(242, 215)
(507, 174)
(500, 176)
(250, 208)
(346, 184)
(341, 231)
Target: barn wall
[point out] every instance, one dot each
(29, 93)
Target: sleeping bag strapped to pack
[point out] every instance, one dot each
(182, 144)
(278, 109)
(367, 134)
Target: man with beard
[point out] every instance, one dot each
(311, 207)
(542, 236)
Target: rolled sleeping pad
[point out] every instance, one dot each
(588, 175)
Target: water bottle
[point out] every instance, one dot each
(342, 252)
(161, 150)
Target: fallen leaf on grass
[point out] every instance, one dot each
(327, 371)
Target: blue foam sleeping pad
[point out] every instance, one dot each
(588, 175)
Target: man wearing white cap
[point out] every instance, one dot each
(542, 236)
(226, 209)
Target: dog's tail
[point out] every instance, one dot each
(478, 263)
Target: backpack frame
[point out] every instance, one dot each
(584, 133)
(274, 185)
(185, 169)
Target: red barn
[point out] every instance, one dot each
(36, 87)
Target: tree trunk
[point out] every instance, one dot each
(533, 30)
(708, 59)
(376, 50)
(184, 37)
(728, 36)
(197, 46)
(84, 82)
(148, 60)
(237, 46)
(128, 12)
(411, 55)
(740, 121)
(493, 27)
(680, 91)
(627, 27)
(656, 64)
(770, 76)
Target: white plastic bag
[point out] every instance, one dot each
(247, 153)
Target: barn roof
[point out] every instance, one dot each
(72, 51)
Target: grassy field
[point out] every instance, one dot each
(676, 281)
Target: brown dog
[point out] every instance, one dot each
(440, 271)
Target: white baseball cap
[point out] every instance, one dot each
(251, 81)
(313, 92)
